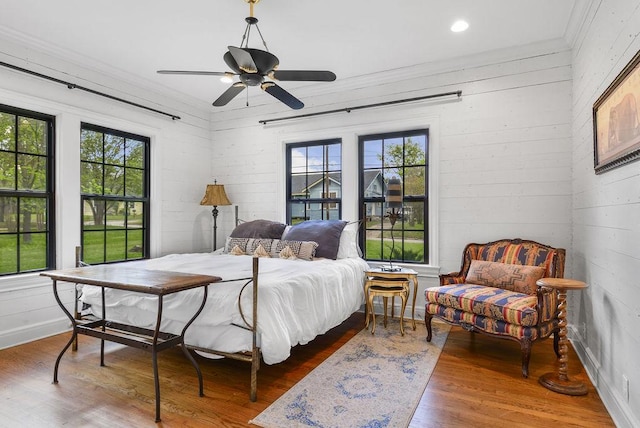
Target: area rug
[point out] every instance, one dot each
(371, 381)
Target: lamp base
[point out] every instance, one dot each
(390, 268)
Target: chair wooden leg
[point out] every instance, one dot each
(525, 345)
(427, 322)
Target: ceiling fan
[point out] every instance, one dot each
(254, 66)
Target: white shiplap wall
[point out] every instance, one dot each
(502, 152)
(180, 168)
(606, 219)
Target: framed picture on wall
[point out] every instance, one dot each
(616, 120)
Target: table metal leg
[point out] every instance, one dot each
(73, 336)
(194, 363)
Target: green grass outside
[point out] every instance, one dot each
(33, 253)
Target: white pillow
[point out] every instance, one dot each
(349, 242)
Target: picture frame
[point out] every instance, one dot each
(616, 120)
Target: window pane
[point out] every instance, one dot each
(93, 247)
(91, 146)
(32, 172)
(8, 214)
(136, 215)
(372, 154)
(315, 158)
(134, 182)
(113, 149)
(134, 153)
(393, 152)
(93, 213)
(33, 251)
(414, 246)
(113, 180)
(7, 131)
(91, 178)
(413, 215)
(415, 150)
(334, 157)
(116, 245)
(33, 214)
(414, 181)
(115, 214)
(8, 254)
(32, 136)
(7, 170)
(134, 244)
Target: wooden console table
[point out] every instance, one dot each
(158, 283)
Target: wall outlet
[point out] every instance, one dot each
(625, 388)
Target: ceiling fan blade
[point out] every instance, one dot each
(284, 96)
(229, 94)
(243, 59)
(304, 75)
(194, 72)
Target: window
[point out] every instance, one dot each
(114, 178)
(314, 180)
(400, 155)
(26, 191)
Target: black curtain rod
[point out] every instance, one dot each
(349, 109)
(82, 88)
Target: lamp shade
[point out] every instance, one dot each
(394, 193)
(215, 195)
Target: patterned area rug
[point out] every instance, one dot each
(371, 381)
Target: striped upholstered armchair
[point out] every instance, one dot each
(495, 293)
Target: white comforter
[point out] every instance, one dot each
(297, 300)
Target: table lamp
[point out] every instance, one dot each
(393, 198)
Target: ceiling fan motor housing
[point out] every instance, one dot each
(251, 79)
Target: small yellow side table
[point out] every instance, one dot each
(560, 382)
(382, 278)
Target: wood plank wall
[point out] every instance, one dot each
(606, 219)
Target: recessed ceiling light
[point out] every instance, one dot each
(459, 26)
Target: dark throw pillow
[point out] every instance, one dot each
(325, 232)
(261, 229)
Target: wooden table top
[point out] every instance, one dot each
(563, 283)
(132, 279)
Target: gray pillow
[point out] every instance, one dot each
(325, 232)
(262, 229)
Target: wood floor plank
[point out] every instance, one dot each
(477, 382)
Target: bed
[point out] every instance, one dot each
(306, 281)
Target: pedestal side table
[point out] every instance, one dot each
(560, 382)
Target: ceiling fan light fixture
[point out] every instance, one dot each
(227, 78)
(459, 26)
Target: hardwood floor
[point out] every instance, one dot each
(476, 383)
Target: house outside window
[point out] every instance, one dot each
(314, 181)
(26, 191)
(115, 195)
(402, 155)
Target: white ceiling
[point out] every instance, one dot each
(351, 38)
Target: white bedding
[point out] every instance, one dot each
(297, 300)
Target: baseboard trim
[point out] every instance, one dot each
(620, 411)
(32, 332)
